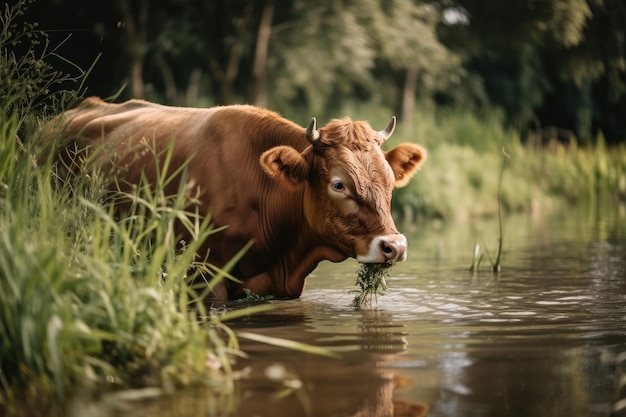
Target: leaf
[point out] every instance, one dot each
(289, 344)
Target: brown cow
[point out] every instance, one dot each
(301, 195)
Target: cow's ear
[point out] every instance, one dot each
(285, 165)
(405, 159)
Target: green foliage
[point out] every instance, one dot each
(550, 63)
(327, 52)
(371, 282)
(545, 63)
(88, 299)
(29, 80)
(460, 177)
(335, 45)
(583, 174)
(517, 22)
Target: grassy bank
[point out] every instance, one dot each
(89, 301)
(459, 181)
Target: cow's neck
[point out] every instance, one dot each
(304, 252)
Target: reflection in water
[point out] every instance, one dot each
(359, 384)
(545, 338)
(540, 339)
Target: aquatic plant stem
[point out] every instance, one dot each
(496, 265)
(371, 281)
(477, 258)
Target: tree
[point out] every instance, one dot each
(136, 24)
(320, 50)
(543, 62)
(331, 50)
(260, 54)
(405, 34)
(593, 72)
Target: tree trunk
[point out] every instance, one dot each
(136, 76)
(171, 90)
(193, 87)
(136, 31)
(227, 75)
(408, 99)
(260, 56)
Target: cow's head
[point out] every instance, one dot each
(348, 180)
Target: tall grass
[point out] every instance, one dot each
(459, 181)
(88, 299)
(35, 78)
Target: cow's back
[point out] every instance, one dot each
(97, 122)
(220, 146)
(301, 195)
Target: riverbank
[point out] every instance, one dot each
(469, 154)
(93, 304)
(90, 304)
(89, 301)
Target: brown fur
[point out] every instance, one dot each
(255, 172)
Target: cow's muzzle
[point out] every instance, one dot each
(385, 249)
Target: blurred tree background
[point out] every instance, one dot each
(546, 65)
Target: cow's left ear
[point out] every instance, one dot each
(405, 159)
(285, 165)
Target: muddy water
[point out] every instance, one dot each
(547, 337)
(543, 338)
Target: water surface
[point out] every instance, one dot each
(546, 337)
(542, 338)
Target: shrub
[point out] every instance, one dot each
(86, 298)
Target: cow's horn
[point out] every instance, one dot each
(312, 134)
(388, 130)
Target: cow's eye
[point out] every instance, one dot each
(337, 186)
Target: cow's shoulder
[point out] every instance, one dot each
(260, 122)
(239, 111)
(98, 107)
(91, 103)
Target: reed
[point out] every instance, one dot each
(88, 299)
(496, 264)
(457, 180)
(371, 280)
(93, 300)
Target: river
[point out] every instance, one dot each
(545, 337)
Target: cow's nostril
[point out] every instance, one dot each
(386, 248)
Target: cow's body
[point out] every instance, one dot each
(302, 196)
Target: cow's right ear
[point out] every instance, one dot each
(285, 165)
(405, 159)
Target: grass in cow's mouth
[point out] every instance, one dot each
(251, 296)
(371, 281)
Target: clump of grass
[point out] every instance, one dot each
(496, 264)
(252, 297)
(89, 299)
(371, 282)
(30, 81)
(93, 300)
(476, 259)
